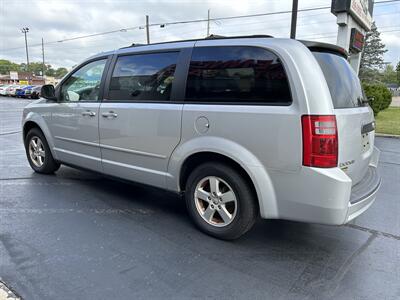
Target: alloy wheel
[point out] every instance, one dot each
(215, 201)
(37, 153)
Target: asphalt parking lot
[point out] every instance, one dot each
(77, 235)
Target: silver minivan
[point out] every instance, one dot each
(243, 126)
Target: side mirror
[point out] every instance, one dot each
(48, 92)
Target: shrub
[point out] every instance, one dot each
(380, 94)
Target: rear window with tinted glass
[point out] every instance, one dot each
(237, 74)
(343, 82)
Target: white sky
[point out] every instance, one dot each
(54, 20)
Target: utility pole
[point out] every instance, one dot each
(25, 30)
(147, 29)
(294, 19)
(43, 66)
(208, 23)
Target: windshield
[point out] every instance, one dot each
(343, 83)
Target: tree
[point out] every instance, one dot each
(60, 72)
(6, 66)
(49, 71)
(381, 95)
(398, 72)
(372, 56)
(37, 67)
(389, 75)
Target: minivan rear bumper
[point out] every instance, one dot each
(363, 194)
(325, 196)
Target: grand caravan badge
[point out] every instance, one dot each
(345, 165)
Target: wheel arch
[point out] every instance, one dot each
(33, 120)
(28, 126)
(196, 159)
(189, 155)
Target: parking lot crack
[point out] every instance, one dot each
(345, 267)
(26, 260)
(326, 289)
(389, 163)
(374, 231)
(10, 132)
(16, 178)
(391, 151)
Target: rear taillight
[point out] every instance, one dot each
(320, 141)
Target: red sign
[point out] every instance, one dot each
(356, 40)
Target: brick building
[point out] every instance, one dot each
(22, 78)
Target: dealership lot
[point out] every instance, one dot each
(78, 235)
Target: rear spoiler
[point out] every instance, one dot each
(325, 47)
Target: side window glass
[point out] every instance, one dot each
(144, 77)
(237, 74)
(84, 84)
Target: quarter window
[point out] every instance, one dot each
(343, 83)
(84, 84)
(237, 74)
(146, 77)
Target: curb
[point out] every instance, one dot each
(392, 136)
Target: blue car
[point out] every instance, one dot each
(24, 91)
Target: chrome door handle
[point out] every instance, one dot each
(89, 113)
(109, 114)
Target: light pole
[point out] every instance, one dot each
(25, 30)
(147, 29)
(293, 24)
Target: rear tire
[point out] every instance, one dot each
(220, 201)
(38, 153)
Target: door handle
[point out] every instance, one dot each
(89, 113)
(109, 114)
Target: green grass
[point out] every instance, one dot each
(388, 121)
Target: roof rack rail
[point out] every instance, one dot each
(133, 45)
(210, 37)
(216, 37)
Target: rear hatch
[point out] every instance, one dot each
(354, 117)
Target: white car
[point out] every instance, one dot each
(12, 89)
(3, 90)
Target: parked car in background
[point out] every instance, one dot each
(35, 92)
(3, 89)
(28, 91)
(20, 90)
(24, 91)
(12, 89)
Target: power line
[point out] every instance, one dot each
(298, 25)
(323, 35)
(187, 22)
(256, 15)
(176, 23)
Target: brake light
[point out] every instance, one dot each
(320, 141)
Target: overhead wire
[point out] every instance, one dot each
(183, 22)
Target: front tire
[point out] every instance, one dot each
(38, 153)
(220, 201)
